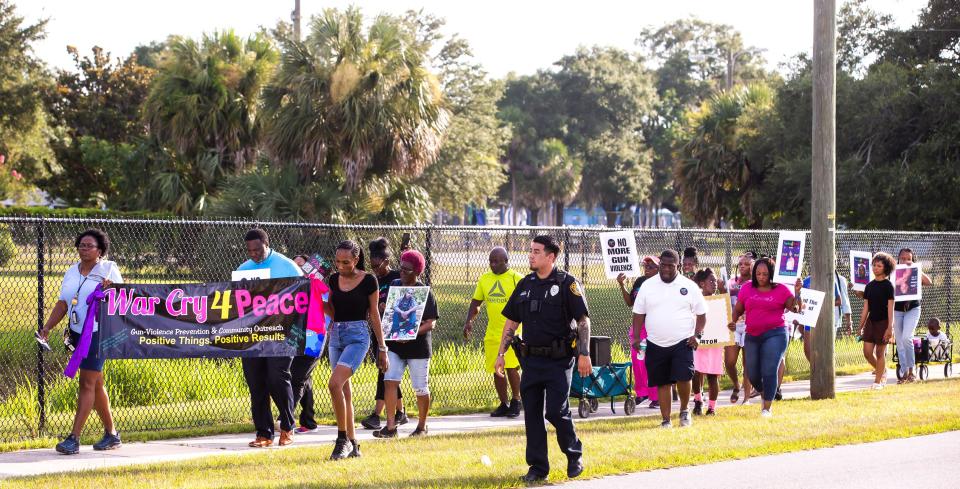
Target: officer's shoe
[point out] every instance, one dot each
(69, 446)
(109, 441)
(514, 409)
(574, 467)
(500, 412)
(533, 476)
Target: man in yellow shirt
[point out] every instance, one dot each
(494, 288)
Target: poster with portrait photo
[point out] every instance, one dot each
(906, 283)
(403, 312)
(861, 270)
(789, 264)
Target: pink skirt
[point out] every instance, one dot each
(708, 360)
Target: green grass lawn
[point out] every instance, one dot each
(612, 446)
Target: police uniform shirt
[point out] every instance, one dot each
(538, 304)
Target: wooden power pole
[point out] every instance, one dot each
(823, 198)
(295, 17)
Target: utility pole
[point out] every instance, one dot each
(823, 198)
(295, 17)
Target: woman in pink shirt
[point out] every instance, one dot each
(764, 303)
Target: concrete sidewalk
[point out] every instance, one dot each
(921, 461)
(45, 461)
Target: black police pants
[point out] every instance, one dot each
(545, 391)
(269, 378)
(301, 371)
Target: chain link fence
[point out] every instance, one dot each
(36, 400)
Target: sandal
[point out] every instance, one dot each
(734, 396)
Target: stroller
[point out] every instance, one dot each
(941, 352)
(615, 379)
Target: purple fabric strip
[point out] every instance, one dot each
(86, 335)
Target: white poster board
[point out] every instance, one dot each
(861, 270)
(906, 283)
(240, 275)
(403, 312)
(619, 250)
(808, 315)
(789, 257)
(719, 314)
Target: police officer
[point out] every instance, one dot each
(546, 302)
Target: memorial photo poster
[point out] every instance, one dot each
(403, 312)
(861, 270)
(812, 303)
(789, 257)
(907, 283)
(619, 250)
(719, 314)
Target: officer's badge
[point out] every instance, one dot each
(554, 290)
(575, 289)
(683, 291)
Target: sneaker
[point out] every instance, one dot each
(401, 417)
(341, 449)
(108, 442)
(385, 433)
(666, 424)
(286, 438)
(711, 411)
(778, 396)
(69, 446)
(419, 432)
(501, 411)
(697, 408)
(303, 429)
(371, 422)
(685, 419)
(356, 450)
(514, 410)
(765, 413)
(639, 400)
(654, 404)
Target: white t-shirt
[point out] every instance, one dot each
(76, 285)
(671, 309)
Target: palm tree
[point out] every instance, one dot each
(714, 160)
(346, 102)
(203, 107)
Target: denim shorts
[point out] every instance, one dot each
(419, 372)
(92, 361)
(349, 341)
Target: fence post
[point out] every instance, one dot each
(949, 282)
(567, 250)
(428, 256)
(583, 257)
(41, 394)
(729, 257)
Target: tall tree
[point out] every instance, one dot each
(203, 105)
(22, 84)
(616, 173)
(96, 109)
(350, 100)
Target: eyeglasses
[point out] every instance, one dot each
(86, 246)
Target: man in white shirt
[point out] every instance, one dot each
(674, 312)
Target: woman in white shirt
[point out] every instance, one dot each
(80, 280)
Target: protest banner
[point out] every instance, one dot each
(252, 318)
(619, 250)
(719, 314)
(861, 271)
(789, 257)
(403, 312)
(812, 302)
(907, 283)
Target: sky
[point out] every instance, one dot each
(519, 36)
